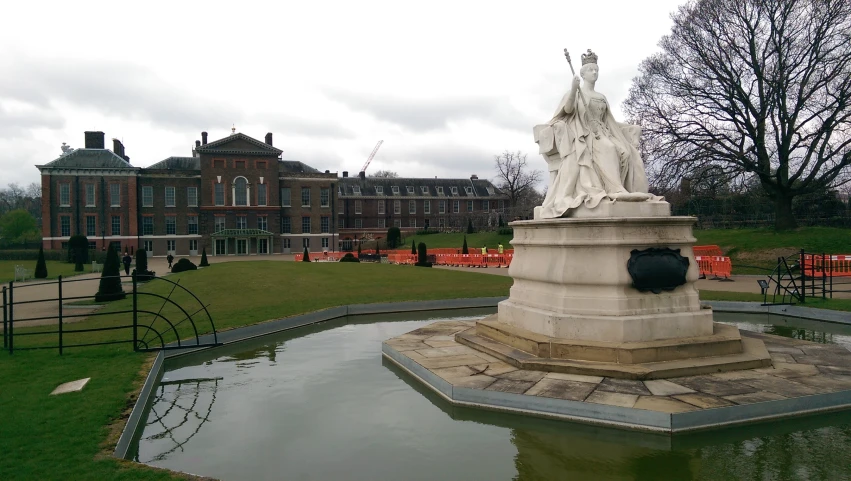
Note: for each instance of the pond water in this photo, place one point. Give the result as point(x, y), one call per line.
point(320, 403)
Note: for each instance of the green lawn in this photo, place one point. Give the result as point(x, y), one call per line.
point(54, 269)
point(456, 240)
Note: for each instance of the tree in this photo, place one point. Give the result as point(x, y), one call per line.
point(204, 262)
point(470, 229)
point(306, 256)
point(18, 226)
point(394, 237)
point(142, 272)
point(422, 256)
point(78, 250)
point(413, 247)
point(759, 88)
point(110, 279)
point(464, 249)
point(515, 179)
point(385, 174)
point(41, 265)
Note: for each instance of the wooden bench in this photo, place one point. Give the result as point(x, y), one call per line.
point(23, 273)
point(97, 267)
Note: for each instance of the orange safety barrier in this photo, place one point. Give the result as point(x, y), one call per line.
point(715, 266)
point(826, 265)
point(704, 263)
point(709, 250)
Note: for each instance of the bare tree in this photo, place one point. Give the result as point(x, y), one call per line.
point(515, 179)
point(386, 174)
point(757, 88)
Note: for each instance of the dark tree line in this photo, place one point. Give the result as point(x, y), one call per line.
point(15, 197)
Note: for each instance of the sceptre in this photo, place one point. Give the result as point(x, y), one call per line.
point(567, 56)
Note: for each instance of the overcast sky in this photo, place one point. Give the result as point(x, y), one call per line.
point(446, 84)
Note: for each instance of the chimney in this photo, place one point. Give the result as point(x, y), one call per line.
point(345, 173)
point(269, 138)
point(474, 177)
point(327, 171)
point(197, 144)
point(116, 147)
point(203, 138)
point(94, 140)
point(362, 175)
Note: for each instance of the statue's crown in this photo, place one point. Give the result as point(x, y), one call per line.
point(589, 57)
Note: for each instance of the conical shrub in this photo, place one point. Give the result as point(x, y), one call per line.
point(204, 262)
point(464, 247)
point(306, 256)
point(110, 280)
point(40, 265)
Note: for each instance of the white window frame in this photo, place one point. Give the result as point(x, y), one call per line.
point(381, 223)
point(146, 221)
point(170, 196)
point(65, 222)
point(395, 189)
point(242, 222)
point(325, 225)
point(262, 194)
point(356, 189)
point(410, 189)
point(65, 195)
point(305, 190)
point(397, 207)
point(324, 197)
point(358, 207)
point(286, 225)
point(424, 189)
point(380, 205)
point(263, 222)
point(246, 197)
point(427, 207)
point(468, 190)
point(147, 196)
point(379, 189)
point(216, 188)
point(412, 207)
point(171, 220)
point(90, 199)
point(439, 190)
point(114, 192)
point(112, 225)
point(94, 227)
point(220, 222)
point(286, 200)
point(456, 206)
point(441, 207)
point(454, 190)
point(358, 223)
point(309, 224)
point(190, 223)
point(412, 222)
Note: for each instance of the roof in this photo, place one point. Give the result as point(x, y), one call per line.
point(89, 159)
point(478, 187)
point(294, 166)
point(242, 233)
point(178, 163)
point(239, 144)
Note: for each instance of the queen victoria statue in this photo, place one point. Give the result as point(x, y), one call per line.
point(591, 157)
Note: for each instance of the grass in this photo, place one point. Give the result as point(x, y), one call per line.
point(72, 436)
point(54, 269)
point(443, 240)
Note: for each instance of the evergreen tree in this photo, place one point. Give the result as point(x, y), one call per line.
point(394, 237)
point(413, 247)
point(110, 280)
point(306, 256)
point(359, 249)
point(40, 265)
point(464, 247)
point(142, 272)
point(204, 262)
point(376, 249)
point(422, 256)
point(470, 226)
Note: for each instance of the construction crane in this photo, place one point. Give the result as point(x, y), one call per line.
point(365, 165)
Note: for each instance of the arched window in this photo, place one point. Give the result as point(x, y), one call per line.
point(240, 191)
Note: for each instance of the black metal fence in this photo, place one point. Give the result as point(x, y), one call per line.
point(806, 275)
point(166, 329)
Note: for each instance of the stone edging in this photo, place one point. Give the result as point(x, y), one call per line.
point(824, 315)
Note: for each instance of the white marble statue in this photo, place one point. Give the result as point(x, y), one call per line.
point(591, 157)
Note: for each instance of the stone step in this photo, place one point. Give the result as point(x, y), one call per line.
point(754, 355)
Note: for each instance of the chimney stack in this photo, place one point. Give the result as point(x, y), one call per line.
point(203, 138)
point(362, 175)
point(327, 171)
point(94, 140)
point(197, 144)
point(269, 138)
point(345, 173)
point(474, 177)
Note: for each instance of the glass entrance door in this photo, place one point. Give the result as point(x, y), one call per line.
point(262, 246)
point(241, 247)
point(221, 247)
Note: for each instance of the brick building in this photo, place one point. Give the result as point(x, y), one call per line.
point(236, 196)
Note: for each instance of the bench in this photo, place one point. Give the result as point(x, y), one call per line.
point(23, 273)
point(97, 267)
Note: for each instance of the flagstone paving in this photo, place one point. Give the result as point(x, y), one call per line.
point(801, 368)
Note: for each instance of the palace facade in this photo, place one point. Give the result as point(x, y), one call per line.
point(236, 196)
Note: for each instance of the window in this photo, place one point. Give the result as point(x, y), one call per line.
point(341, 223)
point(285, 197)
point(456, 206)
point(193, 245)
point(242, 222)
point(192, 196)
point(305, 225)
point(218, 163)
point(65, 226)
point(324, 242)
point(441, 207)
point(240, 191)
point(90, 195)
point(397, 207)
point(427, 207)
point(169, 246)
point(305, 196)
point(490, 190)
point(381, 224)
point(454, 190)
point(469, 206)
point(64, 195)
point(192, 224)
point(220, 224)
point(286, 225)
point(412, 207)
point(325, 197)
point(147, 196)
point(261, 194)
point(324, 225)
point(413, 222)
point(116, 225)
point(260, 164)
point(147, 225)
point(441, 223)
point(171, 225)
point(395, 189)
point(410, 189)
point(424, 190)
point(262, 222)
point(468, 190)
point(169, 196)
point(240, 164)
point(397, 222)
point(358, 207)
point(358, 223)
point(380, 206)
point(379, 190)
point(439, 190)
point(485, 205)
point(356, 189)
point(115, 195)
point(287, 243)
point(219, 194)
point(91, 229)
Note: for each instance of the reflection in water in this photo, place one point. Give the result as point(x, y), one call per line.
point(276, 408)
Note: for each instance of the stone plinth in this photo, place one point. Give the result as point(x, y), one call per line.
point(571, 279)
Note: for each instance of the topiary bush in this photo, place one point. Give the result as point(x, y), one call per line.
point(464, 249)
point(305, 256)
point(349, 257)
point(204, 262)
point(78, 251)
point(413, 247)
point(110, 280)
point(40, 265)
point(142, 272)
point(183, 265)
point(422, 256)
point(394, 237)
point(470, 229)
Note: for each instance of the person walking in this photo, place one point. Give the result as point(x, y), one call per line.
point(500, 249)
point(170, 259)
point(126, 260)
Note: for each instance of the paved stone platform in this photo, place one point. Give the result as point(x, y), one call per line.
point(806, 378)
